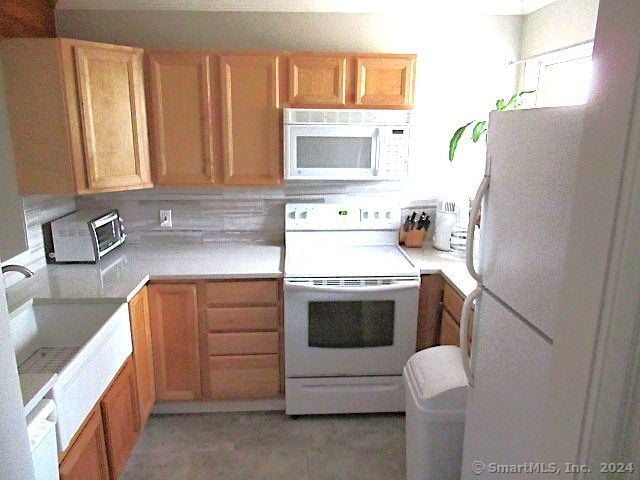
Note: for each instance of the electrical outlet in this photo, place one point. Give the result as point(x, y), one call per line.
point(165, 218)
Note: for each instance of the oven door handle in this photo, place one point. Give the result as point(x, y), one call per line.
point(331, 289)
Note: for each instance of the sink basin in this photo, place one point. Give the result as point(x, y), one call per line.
point(85, 344)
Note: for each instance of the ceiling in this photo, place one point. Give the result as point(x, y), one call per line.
point(477, 7)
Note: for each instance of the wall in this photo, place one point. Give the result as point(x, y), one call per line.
point(560, 24)
point(456, 81)
point(27, 18)
point(13, 238)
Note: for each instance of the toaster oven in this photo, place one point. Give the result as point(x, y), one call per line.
point(85, 237)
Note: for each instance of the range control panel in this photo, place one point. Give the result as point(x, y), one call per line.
point(337, 217)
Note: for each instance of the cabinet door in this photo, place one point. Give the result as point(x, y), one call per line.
point(385, 81)
point(182, 102)
point(120, 413)
point(317, 80)
point(449, 330)
point(429, 310)
point(113, 118)
point(174, 335)
point(251, 139)
point(87, 457)
point(142, 353)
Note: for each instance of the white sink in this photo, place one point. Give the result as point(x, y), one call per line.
point(85, 344)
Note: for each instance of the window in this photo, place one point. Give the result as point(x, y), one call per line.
point(559, 78)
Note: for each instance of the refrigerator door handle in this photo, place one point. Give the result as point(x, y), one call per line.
point(471, 227)
point(464, 328)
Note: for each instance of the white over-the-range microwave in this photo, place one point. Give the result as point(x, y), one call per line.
point(342, 144)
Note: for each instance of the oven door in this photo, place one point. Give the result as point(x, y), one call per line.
point(345, 152)
point(337, 330)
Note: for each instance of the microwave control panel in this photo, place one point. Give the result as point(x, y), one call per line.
point(394, 155)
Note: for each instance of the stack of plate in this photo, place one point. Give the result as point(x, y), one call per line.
point(458, 241)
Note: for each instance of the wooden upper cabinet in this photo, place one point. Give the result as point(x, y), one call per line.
point(77, 111)
point(87, 456)
point(385, 81)
point(183, 88)
point(317, 80)
point(113, 117)
point(175, 339)
point(251, 142)
point(142, 352)
point(121, 418)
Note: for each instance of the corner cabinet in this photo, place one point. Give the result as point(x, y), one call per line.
point(251, 119)
point(77, 112)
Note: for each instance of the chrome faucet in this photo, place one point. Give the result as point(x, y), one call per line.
point(17, 268)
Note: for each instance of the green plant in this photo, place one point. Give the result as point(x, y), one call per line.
point(480, 127)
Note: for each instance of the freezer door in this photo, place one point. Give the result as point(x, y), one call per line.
point(527, 211)
point(505, 421)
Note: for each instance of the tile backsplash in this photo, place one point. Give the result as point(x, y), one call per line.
point(249, 215)
point(233, 214)
point(38, 209)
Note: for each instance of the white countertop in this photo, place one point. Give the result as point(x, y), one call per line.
point(34, 387)
point(122, 273)
point(429, 260)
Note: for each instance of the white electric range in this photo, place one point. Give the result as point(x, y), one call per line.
point(351, 309)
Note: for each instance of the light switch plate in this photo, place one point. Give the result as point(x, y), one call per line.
point(165, 219)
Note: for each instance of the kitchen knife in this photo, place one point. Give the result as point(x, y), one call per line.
point(421, 220)
point(413, 220)
point(407, 223)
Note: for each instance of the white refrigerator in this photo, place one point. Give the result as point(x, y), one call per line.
point(526, 197)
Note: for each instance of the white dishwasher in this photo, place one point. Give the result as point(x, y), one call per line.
point(41, 423)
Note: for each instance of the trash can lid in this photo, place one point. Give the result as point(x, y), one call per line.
point(438, 378)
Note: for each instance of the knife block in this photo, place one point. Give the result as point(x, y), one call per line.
point(412, 238)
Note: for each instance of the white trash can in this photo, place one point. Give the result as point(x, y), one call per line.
point(436, 400)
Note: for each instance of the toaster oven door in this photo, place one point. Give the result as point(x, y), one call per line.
point(108, 233)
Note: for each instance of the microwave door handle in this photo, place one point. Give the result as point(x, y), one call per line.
point(323, 289)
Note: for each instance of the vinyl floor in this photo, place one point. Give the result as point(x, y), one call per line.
point(269, 446)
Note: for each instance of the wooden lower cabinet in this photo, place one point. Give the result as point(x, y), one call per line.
point(429, 311)
point(217, 340)
point(244, 376)
point(451, 313)
point(449, 331)
point(175, 339)
point(242, 337)
point(142, 353)
point(121, 417)
point(86, 458)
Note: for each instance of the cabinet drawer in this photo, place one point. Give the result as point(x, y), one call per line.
point(449, 331)
point(242, 318)
point(236, 377)
point(243, 343)
point(452, 302)
point(258, 292)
